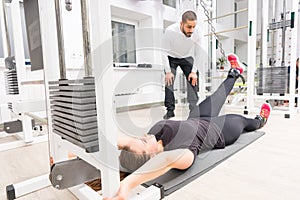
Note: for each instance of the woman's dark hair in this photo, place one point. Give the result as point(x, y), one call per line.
point(189, 15)
point(131, 160)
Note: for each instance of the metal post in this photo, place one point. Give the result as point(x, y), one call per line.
point(103, 71)
point(17, 36)
point(264, 32)
point(293, 52)
point(60, 40)
point(6, 41)
point(86, 38)
point(51, 67)
point(252, 20)
point(212, 47)
point(283, 18)
point(273, 34)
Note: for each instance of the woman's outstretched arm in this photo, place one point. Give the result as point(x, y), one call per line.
point(155, 167)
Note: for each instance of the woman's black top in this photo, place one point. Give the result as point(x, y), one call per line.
point(194, 134)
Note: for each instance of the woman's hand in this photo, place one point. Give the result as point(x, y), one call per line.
point(122, 193)
point(114, 198)
point(153, 168)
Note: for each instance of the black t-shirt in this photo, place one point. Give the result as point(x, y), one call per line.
point(194, 134)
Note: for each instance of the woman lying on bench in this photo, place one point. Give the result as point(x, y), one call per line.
point(175, 144)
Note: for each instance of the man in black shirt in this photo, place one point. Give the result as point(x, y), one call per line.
point(175, 144)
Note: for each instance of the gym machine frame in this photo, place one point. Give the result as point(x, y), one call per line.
point(252, 55)
point(106, 159)
point(22, 110)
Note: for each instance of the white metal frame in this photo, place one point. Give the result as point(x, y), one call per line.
point(252, 16)
point(3, 31)
point(30, 185)
point(20, 107)
point(21, 142)
point(107, 158)
point(50, 57)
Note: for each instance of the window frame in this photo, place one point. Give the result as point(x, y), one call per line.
point(129, 22)
point(175, 6)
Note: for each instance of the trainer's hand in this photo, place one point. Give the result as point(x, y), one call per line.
point(193, 76)
point(169, 78)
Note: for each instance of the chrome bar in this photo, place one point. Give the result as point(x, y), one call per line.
point(228, 30)
point(33, 116)
point(228, 14)
point(283, 33)
point(60, 40)
point(86, 38)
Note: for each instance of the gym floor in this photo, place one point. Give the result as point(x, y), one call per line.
point(266, 169)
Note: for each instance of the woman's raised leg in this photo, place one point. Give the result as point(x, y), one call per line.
point(212, 105)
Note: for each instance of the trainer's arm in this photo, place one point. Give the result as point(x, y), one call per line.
point(156, 166)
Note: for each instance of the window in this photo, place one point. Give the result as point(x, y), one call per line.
point(168, 23)
point(171, 3)
point(123, 35)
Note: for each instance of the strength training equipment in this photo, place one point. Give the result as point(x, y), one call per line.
point(73, 108)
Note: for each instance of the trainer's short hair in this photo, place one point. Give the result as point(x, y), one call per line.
point(131, 161)
point(189, 15)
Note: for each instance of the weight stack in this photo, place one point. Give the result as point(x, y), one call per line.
point(73, 110)
point(272, 80)
point(11, 78)
point(11, 82)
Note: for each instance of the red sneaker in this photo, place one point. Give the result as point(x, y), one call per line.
point(265, 111)
point(234, 62)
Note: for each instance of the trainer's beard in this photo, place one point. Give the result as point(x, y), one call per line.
point(185, 33)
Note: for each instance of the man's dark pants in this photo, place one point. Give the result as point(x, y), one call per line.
point(186, 65)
